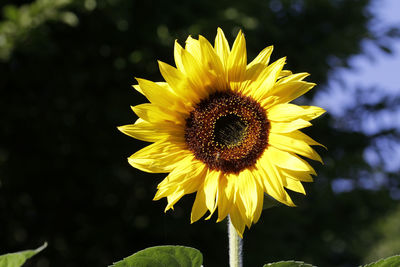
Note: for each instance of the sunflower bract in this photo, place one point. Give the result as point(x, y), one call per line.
point(225, 130)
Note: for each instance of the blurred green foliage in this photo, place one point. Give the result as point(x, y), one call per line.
point(66, 72)
point(20, 22)
point(385, 232)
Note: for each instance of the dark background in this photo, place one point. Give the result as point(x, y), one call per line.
point(66, 69)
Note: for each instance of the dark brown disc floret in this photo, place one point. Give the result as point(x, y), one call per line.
point(227, 131)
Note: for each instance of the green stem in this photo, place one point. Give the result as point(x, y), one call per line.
point(235, 246)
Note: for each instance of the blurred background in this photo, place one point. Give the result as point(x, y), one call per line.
point(66, 70)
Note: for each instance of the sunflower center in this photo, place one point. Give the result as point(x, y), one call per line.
point(227, 131)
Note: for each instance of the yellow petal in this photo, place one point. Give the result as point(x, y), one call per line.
point(272, 180)
point(212, 64)
point(162, 84)
point(172, 76)
point(222, 47)
point(260, 200)
point(257, 66)
point(161, 157)
point(179, 83)
point(262, 59)
point(266, 80)
point(163, 192)
point(178, 50)
point(290, 90)
point(225, 195)
point(264, 176)
point(150, 132)
point(199, 206)
point(248, 192)
point(294, 145)
point(157, 94)
point(302, 136)
point(185, 179)
point(284, 112)
point(296, 175)
point(137, 88)
point(289, 112)
point(199, 81)
point(284, 73)
point(237, 62)
point(288, 160)
point(210, 188)
point(173, 198)
point(287, 127)
point(187, 176)
point(237, 220)
point(152, 113)
point(293, 77)
point(242, 210)
point(193, 47)
point(294, 185)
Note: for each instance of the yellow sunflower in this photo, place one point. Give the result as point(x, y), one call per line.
point(225, 129)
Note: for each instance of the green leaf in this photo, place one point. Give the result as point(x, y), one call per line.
point(393, 261)
point(163, 256)
point(288, 264)
point(18, 258)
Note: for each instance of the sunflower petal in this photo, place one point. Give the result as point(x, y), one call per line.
point(237, 221)
point(257, 66)
point(210, 188)
point(284, 73)
point(188, 175)
point(199, 206)
point(273, 181)
point(195, 74)
point(237, 62)
point(294, 185)
point(266, 80)
point(212, 64)
point(290, 90)
point(242, 209)
point(302, 136)
point(260, 200)
point(185, 179)
point(178, 82)
point(178, 51)
point(287, 127)
point(137, 88)
point(149, 132)
point(288, 160)
point(248, 192)
point(303, 176)
point(222, 47)
point(289, 112)
point(193, 47)
point(173, 198)
point(297, 146)
point(153, 113)
point(172, 76)
point(262, 59)
point(225, 196)
point(157, 94)
point(294, 77)
point(160, 157)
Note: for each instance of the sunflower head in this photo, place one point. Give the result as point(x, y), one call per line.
point(225, 130)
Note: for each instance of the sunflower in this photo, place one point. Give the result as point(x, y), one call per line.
point(225, 130)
